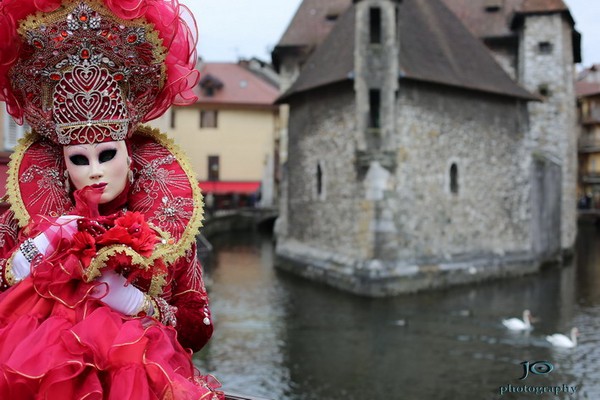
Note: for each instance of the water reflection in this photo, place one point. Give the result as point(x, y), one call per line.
point(283, 337)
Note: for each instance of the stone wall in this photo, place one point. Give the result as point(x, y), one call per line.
point(320, 135)
point(484, 137)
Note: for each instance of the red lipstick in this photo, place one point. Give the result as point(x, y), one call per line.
point(99, 185)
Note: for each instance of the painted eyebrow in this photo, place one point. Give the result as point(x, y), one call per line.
point(77, 149)
point(108, 147)
point(78, 145)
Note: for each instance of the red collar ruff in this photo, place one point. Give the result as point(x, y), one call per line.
point(165, 189)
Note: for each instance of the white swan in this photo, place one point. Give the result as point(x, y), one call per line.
point(560, 340)
point(515, 324)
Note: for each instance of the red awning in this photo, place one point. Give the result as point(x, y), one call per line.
point(222, 187)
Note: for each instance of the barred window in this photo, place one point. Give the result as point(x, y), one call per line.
point(208, 118)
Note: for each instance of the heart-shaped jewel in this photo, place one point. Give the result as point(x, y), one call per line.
point(87, 77)
point(89, 104)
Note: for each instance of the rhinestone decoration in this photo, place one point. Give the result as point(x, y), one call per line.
point(86, 76)
point(88, 106)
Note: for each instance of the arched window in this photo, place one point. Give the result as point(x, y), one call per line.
point(319, 180)
point(374, 109)
point(454, 179)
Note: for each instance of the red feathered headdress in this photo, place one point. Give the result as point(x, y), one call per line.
point(89, 71)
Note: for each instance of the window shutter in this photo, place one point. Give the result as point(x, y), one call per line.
point(12, 132)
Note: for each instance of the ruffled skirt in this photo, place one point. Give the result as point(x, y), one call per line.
point(56, 342)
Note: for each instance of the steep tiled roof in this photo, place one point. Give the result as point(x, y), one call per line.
point(313, 22)
point(485, 21)
point(590, 73)
point(239, 86)
point(435, 47)
point(535, 6)
point(333, 61)
point(481, 22)
point(584, 89)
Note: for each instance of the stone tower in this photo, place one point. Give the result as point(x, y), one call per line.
point(376, 48)
point(546, 67)
point(376, 74)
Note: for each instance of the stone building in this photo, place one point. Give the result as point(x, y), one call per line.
point(430, 143)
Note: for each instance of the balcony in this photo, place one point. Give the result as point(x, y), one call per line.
point(386, 158)
point(237, 396)
point(589, 143)
point(592, 117)
point(590, 177)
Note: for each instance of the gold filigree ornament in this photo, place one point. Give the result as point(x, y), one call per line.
point(87, 76)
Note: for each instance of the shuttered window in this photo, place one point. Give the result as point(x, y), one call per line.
point(12, 131)
point(208, 118)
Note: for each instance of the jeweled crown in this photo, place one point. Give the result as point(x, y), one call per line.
point(84, 75)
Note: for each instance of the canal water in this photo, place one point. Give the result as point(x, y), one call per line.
point(285, 338)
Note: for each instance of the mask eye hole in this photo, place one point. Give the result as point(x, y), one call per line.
point(107, 155)
point(79, 159)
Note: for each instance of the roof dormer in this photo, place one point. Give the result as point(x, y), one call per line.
point(492, 6)
point(210, 84)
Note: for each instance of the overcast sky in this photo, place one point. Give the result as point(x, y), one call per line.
point(232, 29)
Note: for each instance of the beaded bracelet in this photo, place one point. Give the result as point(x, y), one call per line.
point(166, 312)
point(155, 311)
point(145, 308)
point(29, 250)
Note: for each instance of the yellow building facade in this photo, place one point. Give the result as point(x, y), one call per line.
point(243, 140)
point(232, 134)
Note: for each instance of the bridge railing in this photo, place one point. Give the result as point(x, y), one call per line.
point(237, 396)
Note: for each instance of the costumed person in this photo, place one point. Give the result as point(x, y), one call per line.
point(102, 292)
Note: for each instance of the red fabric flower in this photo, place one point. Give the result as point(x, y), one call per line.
point(131, 230)
point(84, 247)
point(119, 262)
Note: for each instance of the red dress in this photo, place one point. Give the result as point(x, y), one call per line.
point(57, 341)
